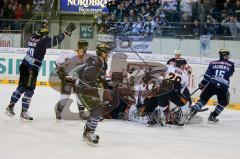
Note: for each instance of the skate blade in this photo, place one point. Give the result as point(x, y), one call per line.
point(89, 142)
point(9, 114)
point(25, 120)
point(212, 122)
point(58, 120)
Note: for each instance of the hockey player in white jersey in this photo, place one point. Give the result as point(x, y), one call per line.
point(162, 115)
point(65, 64)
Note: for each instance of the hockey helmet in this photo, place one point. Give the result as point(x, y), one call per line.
point(42, 31)
point(82, 44)
point(102, 47)
point(223, 53)
point(180, 62)
point(177, 52)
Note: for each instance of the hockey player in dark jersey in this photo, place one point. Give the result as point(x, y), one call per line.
point(30, 66)
point(93, 90)
point(216, 82)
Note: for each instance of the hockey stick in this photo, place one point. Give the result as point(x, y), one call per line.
point(202, 110)
point(130, 46)
point(193, 92)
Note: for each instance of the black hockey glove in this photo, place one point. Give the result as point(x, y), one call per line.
point(70, 80)
point(70, 28)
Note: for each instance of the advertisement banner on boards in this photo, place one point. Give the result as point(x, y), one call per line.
point(139, 44)
point(10, 40)
point(83, 6)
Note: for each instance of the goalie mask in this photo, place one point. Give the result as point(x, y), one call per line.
point(224, 54)
point(102, 48)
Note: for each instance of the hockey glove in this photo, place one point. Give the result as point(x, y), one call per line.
point(70, 28)
point(70, 80)
point(61, 73)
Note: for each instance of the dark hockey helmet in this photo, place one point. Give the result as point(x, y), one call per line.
point(224, 53)
point(102, 47)
point(42, 31)
point(82, 44)
point(180, 62)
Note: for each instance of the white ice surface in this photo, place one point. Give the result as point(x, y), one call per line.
point(45, 138)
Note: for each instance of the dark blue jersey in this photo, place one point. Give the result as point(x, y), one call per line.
point(37, 49)
point(219, 72)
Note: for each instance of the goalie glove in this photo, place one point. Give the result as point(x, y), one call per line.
point(70, 28)
point(70, 80)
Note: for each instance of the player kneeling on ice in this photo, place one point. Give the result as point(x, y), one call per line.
point(30, 67)
point(162, 115)
point(216, 82)
point(65, 64)
point(93, 90)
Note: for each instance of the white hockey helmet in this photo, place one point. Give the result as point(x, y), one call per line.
point(177, 52)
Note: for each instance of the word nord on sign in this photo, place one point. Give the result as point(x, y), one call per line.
point(87, 3)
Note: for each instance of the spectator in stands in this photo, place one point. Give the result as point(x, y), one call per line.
point(127, 7)
point(170, 8)
point(170, 5)
point(112, 7)
point(113, 25)
point(126, 25)
point(27, 13)
point(8, 16)
point(138, 5)
point(186, 6)
point(159, 24)
point(230, 6)
point(211, 27)
point(196, 29)
point(152, 4)
point(18, 17)
point(237, 11)
point(233, 25)
point(149, 26)
point(132, 16)
point(100, 21)
point(144, 14)
point(120, 12)
point(137, 26)
point(186, 27)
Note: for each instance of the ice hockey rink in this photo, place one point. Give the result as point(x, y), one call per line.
point(46, 138)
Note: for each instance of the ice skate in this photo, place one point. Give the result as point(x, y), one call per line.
point(151, 122)
point(58, 115)
point(212, 119)
point(90, 137)
point(10, 110)
point(25, 116)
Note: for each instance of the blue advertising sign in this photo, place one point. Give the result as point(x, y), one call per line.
point(78, 6)
point(139, 44)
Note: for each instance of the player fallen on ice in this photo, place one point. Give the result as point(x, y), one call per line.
point(94, 91)
point(30, 67)
point(65, 64)
point(162, 115)
point(216, 82)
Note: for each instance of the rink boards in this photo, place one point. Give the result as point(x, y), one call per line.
point(10, 60)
